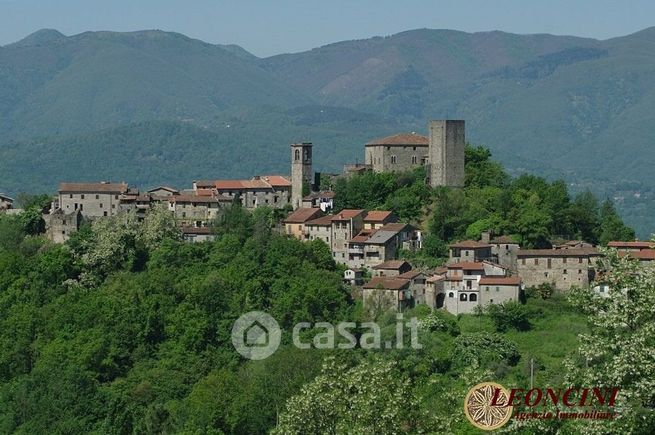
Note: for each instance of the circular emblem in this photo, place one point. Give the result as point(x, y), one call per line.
point(480, 409)
point(256, 335)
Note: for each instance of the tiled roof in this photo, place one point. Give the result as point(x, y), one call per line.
point(303, 215)
point(324, 221)
point(167, 188)
point(191, 198)
point(377, 216)
point(93, 187)
point(572, 252)
point(435, 278)
point(276, 180)
point(410, 274)
point(644, 254)
point(635, 245)
point(381, 237)
point(204, 183)
point(322, 194)
point(470, 244)
point(387, 283)
point(500, 280)
point(391, 265)
point(396, 227)
point(401, 139)
point(346, 215)
point(467, 265)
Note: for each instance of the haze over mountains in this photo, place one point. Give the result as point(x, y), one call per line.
point(154, 107)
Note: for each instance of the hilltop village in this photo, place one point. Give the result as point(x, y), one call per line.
point(492, 270)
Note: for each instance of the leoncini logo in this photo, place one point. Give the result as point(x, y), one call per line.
point(489, 405)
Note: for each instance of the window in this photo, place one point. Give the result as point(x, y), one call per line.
point(466, 253)
point(463, 297)
point(70, 196)
point(523, 261)
point(579, 271)
point(536, 262)
point(564, 272)
point(550, 263)
point(564, 260)
point(450, 295)
point(497, 289)
point(97, 196)
point(393, 159)
point(81, 207)
point(100, 205)
point(104, 213)
point(413, 148)
point(486, 288)
point(469, 284)
point(82, 196)
point(579, 259)
point(414, 160)
point(115, 196)
point(473, 297)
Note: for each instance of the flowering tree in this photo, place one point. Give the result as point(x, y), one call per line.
point(619, 349)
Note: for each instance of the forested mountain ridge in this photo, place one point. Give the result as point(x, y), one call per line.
point(560, 106)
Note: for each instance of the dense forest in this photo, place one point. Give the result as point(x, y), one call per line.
point(126, 329)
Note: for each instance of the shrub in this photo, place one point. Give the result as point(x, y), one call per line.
point(509, 315)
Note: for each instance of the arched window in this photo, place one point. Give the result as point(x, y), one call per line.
point(462, 297)
point(450, 295)
point(297, 155)
point(473, 297)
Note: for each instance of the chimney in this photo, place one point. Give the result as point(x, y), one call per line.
point(485, 236)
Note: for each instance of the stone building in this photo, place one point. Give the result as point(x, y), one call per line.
point(268, 190)
point(320, 229)
point(499, 289)
point(345, 225)
point(376, 219)
point(469, 250)
point(503, 249)
point(301, 172)
point(6, 202)
point(91, 199)
point(373, 246)
point(294, 224)
point(563, 268)
point(631, 246)
point(197, 234)
point(323, 200)
point(443, 151)
point(391, 268)
point(59, 225)
point(383, 294)
point(194, 210)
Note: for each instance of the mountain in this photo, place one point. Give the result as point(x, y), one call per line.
point(51, 84)
point(562, 106)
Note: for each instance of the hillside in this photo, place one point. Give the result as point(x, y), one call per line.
point(560, 106)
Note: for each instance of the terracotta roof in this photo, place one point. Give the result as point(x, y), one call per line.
point(401, 139)
point(453, 278)
point(637, 244)
point(467, 265)
point(324, 221)
point(435, 278)
point(276, 180)
point(391, 265)
point(387, 283)
point(303, 215)
point(377, 216)
point(204, 192)
point(470, 244)
point(572, 252)
point(167, 188)
point(346, 215)
point(500, 280)
point(93, 187)
point(440, 270)
point(396, 227)
point(644, 254)
point(410, 274)
point(190, 198)
point(204, 183)
point(363, 236)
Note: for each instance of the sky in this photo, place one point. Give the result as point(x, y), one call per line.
point(269, 27)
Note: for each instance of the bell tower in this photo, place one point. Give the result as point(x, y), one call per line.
point(301, 171)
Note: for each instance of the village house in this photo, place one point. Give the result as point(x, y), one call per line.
point(434, 291)
point(499, 289)
point(563, 268)
point(372, 246)
point(503, 249)
point(631, 246)
point(323, 200)
point(387, 293)
point(91, 199)
point(294, 224)
point(60, 225)
point(345, 225)
point(197, 234)
point(268, 190)
point(417, 281)
point(391, 268)
point(194, 210)
point(645, 256)
point(376, 219)
point(320, 229)
point(353, 276)
point(469, 250)
point(6, 202)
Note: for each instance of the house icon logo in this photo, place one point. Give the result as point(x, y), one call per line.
point(256, 335)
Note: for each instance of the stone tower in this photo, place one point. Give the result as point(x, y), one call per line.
point(446, 153)
point(301, 171)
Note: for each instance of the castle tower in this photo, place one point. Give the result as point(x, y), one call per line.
point(301, 171)
point(446, 153)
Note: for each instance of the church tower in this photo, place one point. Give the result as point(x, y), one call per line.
point(446, 153)
point(301, 171)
